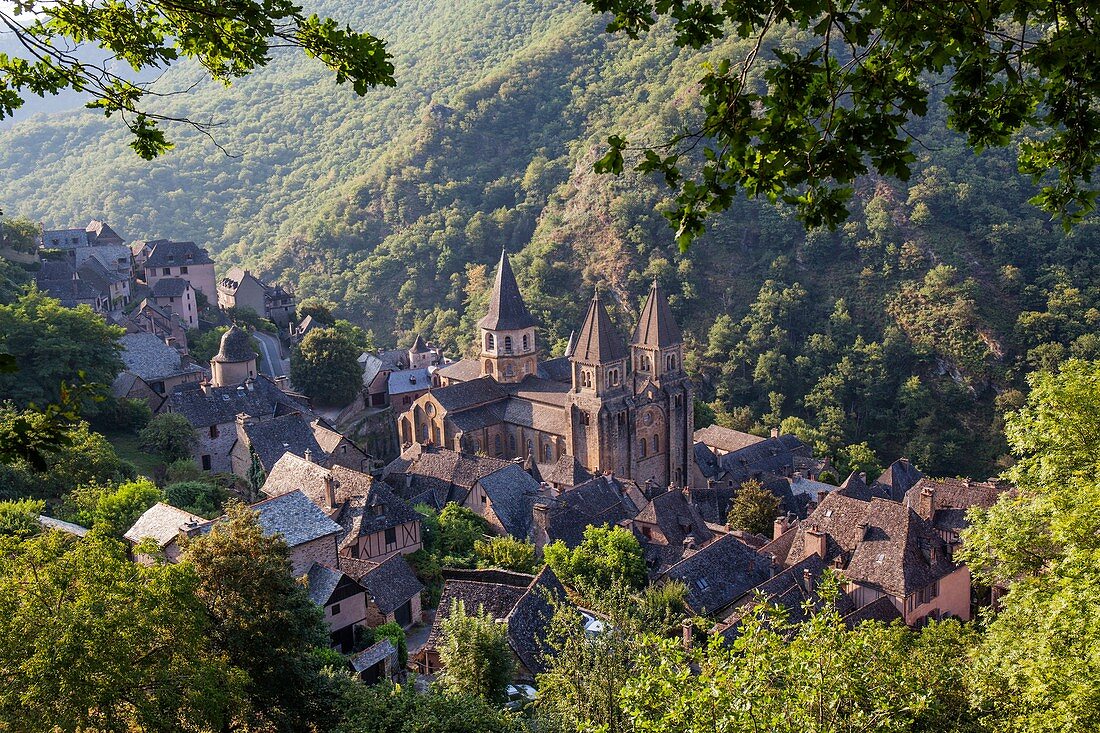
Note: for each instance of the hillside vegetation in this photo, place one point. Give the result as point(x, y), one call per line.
point(908, 330)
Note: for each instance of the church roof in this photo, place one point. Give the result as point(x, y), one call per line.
point(419, 347)
point(599, 342)
point(657, 327)
point(235, 347)
point(507, 311)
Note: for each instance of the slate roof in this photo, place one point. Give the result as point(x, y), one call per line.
point(390, 583)
point(856, 487)
point(598, 502)
point(236, 346)
point(294, 517)
point(62, 526)
point(882, 610)
point(657, 327)
point(273, 437)
point(499, 593)
point(147, 356)
point(769, 456)
point(101, 233)
point(408, 380)
point(232, 280)
point(259, 397)
point(170, 287)
point(372, 655)
point(462, 370)
point(507, 311)
point(419, 347)
point(438, 470)
point(56, 280)
point(725, 439)
point(558, 369)
point(530, 618)
point(512, 493)
point(898, 478)
point(464, 395)
point(161, 523)
point(544, 418)
point(166, 253)
point(677, 520)
point(719, 573)
point(321, 582)
point(952, 497)
point(566, 471)
point(99, 277)
point(599, 341)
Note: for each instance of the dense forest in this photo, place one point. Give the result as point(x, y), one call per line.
point(908, 330)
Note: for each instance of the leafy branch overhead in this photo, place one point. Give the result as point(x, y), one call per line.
point(228, 39)
point(800, 121)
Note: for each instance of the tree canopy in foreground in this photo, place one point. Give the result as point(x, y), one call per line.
point(809, 95)
point(227, 40)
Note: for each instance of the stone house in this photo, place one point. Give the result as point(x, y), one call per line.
point(164, 524)
point(269, 438)
point(342, 600)
point(309, 533)
point(162, 258)
point(601, 502)
point(239, 288)
point(176, 295)
point(718, 574)
point(392, 590)
point(944, 503)
point(153, 369)
point(505, 499)
point(669, 527)
point(376, 663)
point(61, 280)
point(162, 323)
point(436, 476)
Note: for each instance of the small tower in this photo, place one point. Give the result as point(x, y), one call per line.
point(598, 396)
point(507, 331)
point(235, 361)
point(420, 356)
point(658, 346)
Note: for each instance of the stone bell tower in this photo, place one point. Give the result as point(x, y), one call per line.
point(507, 331)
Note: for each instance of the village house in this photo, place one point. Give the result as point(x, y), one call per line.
point(61, 280)
point(944, 503)
point(669, 527)
point(164, 524)
point(611, 408)
point(522, 601)
point(436, 476)
point(343, 603)
point(113, 285)
point(239, 288)
point(604, 501)
point(397, 376)
point(148, 317)
point(162, 258)
point(880, 548)
point(153, 369)
point(97, 241)
point(309, 532)
point(392, 590)
point(268, 438)
point(377, 662)
point(506, 500)
point(376, 523)
point(176, 295)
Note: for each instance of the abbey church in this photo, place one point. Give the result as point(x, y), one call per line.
point(603, 406)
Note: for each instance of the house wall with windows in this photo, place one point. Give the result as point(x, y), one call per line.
point(403, 539)
point(201, 277)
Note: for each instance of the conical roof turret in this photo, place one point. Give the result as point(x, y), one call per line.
point(235, 347)
point(598, 341)
point(507, 311)
point(418, 346)
point(657, 328)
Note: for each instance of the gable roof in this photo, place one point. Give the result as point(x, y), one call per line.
point(391, 583)
point(725, 439)
point(232, 280)
point(162, 523)
point(599, 341)
point(898, 478)
point(599, 502)
point(321, 582)
point(408, 380)
point(294, 517)
point(507, 311)
point(166, 253)
point(274, 437)
point(101, 233)
point(147, 356)
point(259, 397)
point(512, 493)
point(372, 655)
point(657, 328)
point(719, 573)
point(463, 370)
point(170, 287)
point(438, 470)
point(530, 618)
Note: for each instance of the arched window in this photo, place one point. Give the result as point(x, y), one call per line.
point(530, 447)
point(656, 445)
point(672, 362)
point(512, 443)
point(496, 445)
point(547, 453)
point(526, 367)
point(608, 380)
point(641, 447)
point(477, 446)
point(490, 342)
point(526, 342)
point(507, 344)
point(509, 370)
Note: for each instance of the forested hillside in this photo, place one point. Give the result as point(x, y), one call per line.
point(909, 330)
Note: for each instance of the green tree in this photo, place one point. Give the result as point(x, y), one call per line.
point(325, 367)
point(388, 708)
point(505, 552)
point(91, 641)
point(226, 42)
point(263, 622)
point(198, 497)
point(860, 459)
point(54, 346)
point(170, 436)
point(607, 556)
point(771, 125)
point(256, 474)
point(19, 234)
point(1036, 668)
point(112, 509)
point(19, 518)
point(754, 509)
point(475, 654)
point(320, 310)
point(459, 529)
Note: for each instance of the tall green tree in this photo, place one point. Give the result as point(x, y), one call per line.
point(388, 708)
point(169, 436)
point(754, 509)
point(607, 556)
point(475, 654)
point(325, 367)
point(113, 509)
point(54, 346)
point(1037, 667)
point(801, 122)
point(91, 641)
point(226, 42)
point(263, 622)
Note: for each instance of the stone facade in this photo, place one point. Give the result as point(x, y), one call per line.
point(321, 550)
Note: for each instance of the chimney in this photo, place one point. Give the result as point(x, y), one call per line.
point(808, 580)
point(927, 503)
point(688, 633)
point(779, 526)
point(815, 541)
point(330, 492)
point(308, 455)
point(863, 476)
point(775, 433)
point(206, 387)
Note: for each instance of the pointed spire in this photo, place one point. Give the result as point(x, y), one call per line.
point(418, 347)
point(507, 311)
point(571, 347)
point(598, 341)
point(657, 327)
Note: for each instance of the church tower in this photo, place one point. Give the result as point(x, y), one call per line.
point(507, 331)
point(662, 418)
point(598, 363)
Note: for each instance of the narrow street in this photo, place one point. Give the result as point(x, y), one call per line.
point(273, 365)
